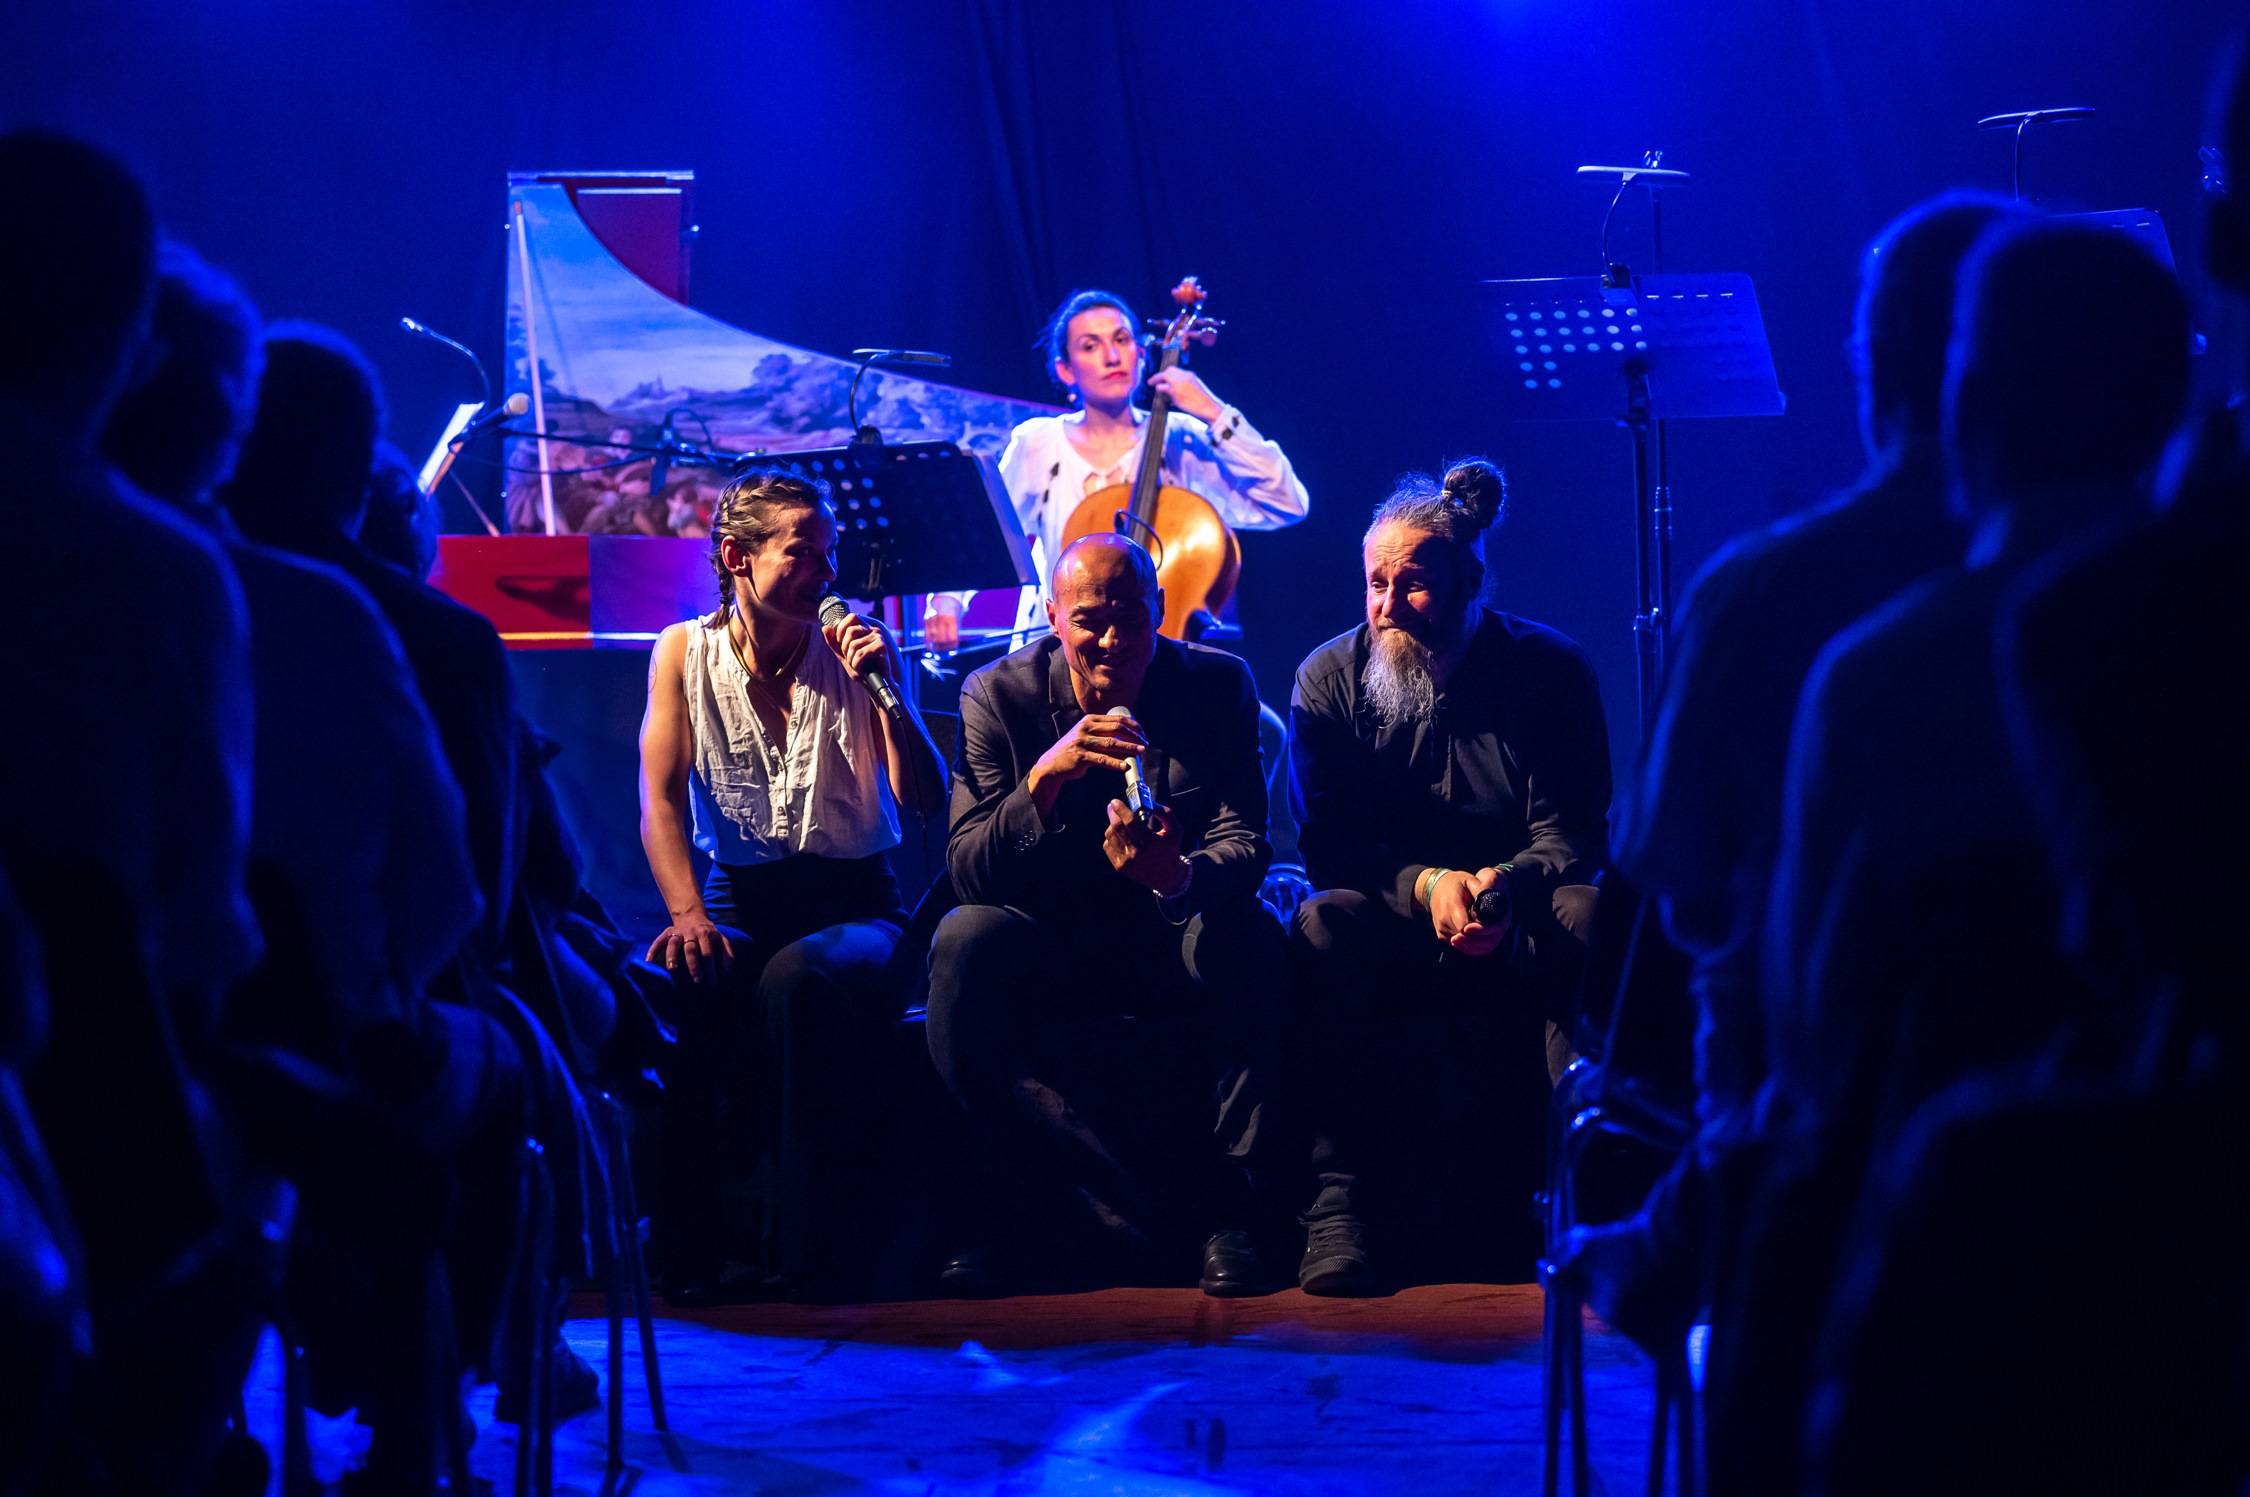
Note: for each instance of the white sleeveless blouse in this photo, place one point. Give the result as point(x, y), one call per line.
point(824, 791)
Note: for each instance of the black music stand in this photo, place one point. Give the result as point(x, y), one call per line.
point(1657, 348)
point(916, 517)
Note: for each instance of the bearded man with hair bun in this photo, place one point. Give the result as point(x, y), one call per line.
point(1441, 750)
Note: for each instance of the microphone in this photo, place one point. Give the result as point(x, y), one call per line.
point(1626, 176)
point(2022, 117)
point(499, 415)
point(901, 356)
point(834, 610)
point(1495, 906)
point(424, 330)
point(1138, 795)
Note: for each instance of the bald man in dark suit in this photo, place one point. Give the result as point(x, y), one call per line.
point(1079, 914)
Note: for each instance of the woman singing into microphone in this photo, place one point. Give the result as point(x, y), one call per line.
point(1093, 350)
point(761, 748)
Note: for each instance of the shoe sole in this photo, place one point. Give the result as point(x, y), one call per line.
point(1231, 1289)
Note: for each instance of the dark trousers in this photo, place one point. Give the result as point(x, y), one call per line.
point(1421, 1074)
point(365, 1294)
point(797, 1037)
point(1115, 1080)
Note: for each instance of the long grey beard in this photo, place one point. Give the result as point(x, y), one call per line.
point(1399, 685)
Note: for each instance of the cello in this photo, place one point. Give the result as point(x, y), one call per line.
point(1197, 556)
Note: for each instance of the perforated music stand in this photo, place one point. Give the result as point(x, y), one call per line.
point(1659, 348)
point(1571, 347)
point(916, 517)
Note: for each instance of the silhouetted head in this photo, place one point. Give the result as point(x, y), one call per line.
point(2068, 367)
point(176, 433)
point(773, 543)
point(401, 524)
point(1105, 604)
point(304, 468)
point(1423, 559)
point(1093, 347)
point(1905, 317)
point(77, 271)
point(2226, 176)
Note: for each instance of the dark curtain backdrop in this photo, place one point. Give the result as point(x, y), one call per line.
point(938, 173)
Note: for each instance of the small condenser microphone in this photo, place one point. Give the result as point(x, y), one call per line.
point(1138, 795)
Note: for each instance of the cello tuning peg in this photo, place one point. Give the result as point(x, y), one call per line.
point(1205, 336)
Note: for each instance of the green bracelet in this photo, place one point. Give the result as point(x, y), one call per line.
point(1429, 887)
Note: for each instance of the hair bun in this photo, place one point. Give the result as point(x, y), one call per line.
point(1478, 487)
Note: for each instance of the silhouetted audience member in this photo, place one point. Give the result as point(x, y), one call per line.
point(1913, 932)
point(76, 282)
point(1439, 751)
point(354, 816)
point(358, 860)
point(1701, 829)
point(2129, 709)
point(123, 813)
point(301, 484)
point(2133, 718)
point(401, 525)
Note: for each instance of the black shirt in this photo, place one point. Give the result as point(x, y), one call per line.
point(1511, 767)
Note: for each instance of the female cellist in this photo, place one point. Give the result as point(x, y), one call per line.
point(1052, 463)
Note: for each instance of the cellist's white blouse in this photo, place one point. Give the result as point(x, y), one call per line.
point(1244, 474)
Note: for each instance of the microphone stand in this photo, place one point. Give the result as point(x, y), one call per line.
point(870, 435)
point(1652, 501)
point(671, 450)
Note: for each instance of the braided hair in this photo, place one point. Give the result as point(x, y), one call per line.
point(751, 511)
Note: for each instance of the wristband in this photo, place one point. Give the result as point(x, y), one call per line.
point(1428, 890)
point(1185, 885)
point(1173, 907)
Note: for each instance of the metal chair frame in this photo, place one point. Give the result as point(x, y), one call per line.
point(1589, 1105)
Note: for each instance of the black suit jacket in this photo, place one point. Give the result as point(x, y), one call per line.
point(1199, 711)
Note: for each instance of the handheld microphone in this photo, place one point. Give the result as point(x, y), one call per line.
point(834, 610)
point(1496, 906)
point(1138, 795)
point(499, 415)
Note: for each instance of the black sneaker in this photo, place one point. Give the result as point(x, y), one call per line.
point(1232, 1268)
point(970, 1275)
point(1336, 1261)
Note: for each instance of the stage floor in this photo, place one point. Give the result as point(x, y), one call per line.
point(1132, 1392)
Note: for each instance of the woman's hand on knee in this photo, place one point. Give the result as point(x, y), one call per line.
point(694, 943)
